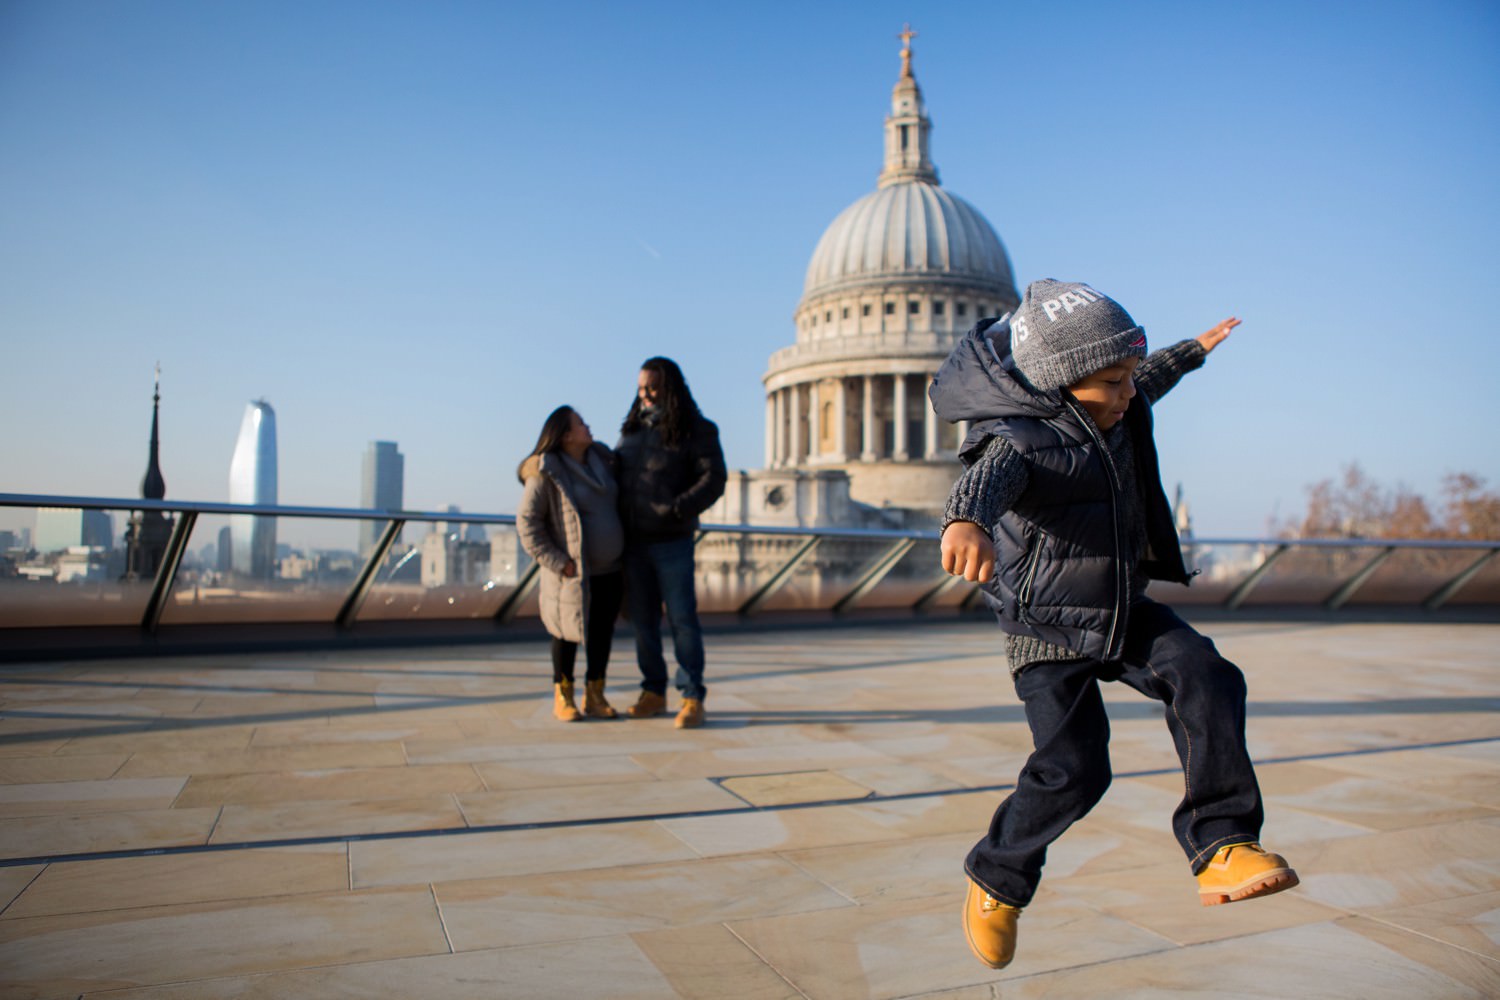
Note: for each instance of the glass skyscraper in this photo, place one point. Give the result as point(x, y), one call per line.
point(381, 487)
point(252, 480)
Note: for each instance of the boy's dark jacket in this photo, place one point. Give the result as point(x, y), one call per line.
point(1060, 553)
point(663, 488)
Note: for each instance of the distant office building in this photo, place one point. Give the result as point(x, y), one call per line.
point(81, 563)
point(464, 531)
point(381, 487)
point(252, 480)
point(61, 528)
point(149, 530)
point(224, 551)
point(508, 560)
point(449, 558)
point(455, 552)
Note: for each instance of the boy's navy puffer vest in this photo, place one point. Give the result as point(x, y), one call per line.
point(1061, 574)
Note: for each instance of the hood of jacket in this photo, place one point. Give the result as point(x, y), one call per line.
point(550, 464)
point(531, 467)
point(979, 380)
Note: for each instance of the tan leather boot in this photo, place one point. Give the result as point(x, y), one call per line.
point(1243, 871)
point(990, 927)
point(691, 715)
point(563, 708)
point(594, 704)
point(648, 704)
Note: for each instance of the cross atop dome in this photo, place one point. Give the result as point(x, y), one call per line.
point(906, 36)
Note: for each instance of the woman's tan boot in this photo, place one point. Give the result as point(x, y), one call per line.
point(594, 704)
point(563, 708)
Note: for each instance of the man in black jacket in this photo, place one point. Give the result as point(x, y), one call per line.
point(671, 470)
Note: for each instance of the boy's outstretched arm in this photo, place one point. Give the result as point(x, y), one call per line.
point(1213, 338)
point(1163, 369)
point(987, 489)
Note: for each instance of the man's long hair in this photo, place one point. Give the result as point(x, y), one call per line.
point(675, 402)
point(554, 429)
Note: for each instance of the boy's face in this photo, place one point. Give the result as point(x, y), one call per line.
point(1106, 394)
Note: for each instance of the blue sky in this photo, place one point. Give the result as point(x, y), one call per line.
point(433, 222)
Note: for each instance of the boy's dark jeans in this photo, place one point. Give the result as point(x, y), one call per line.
point(1067, 773)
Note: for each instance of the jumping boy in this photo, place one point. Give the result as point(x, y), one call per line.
point(1060, 513)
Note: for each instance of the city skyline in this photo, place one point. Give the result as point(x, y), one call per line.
point(436, 224)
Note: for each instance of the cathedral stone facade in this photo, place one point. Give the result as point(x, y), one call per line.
point(894, 282)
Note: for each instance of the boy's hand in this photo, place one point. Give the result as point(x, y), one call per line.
point(968, 552)
point(1215, 337)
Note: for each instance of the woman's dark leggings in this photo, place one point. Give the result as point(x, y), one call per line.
point(605, 594)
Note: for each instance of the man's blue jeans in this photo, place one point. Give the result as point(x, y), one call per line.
point(1069, 770)
point(658, 573)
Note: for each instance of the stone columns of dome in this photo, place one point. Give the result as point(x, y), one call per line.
point(783, 428)
point(963, 432)
point(771, 425)
point(841, 421)
point(794, 423)
point(778, 430)
point(898, 414)
point(814, 422)
point(867, 422)
point(929, 422)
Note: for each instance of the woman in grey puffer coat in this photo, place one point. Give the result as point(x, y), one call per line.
point(568, 522)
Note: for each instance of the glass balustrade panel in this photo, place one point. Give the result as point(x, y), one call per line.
point(69, 566)
point(1302, 576)
point(448, 571)
point(733, 567)
point(916, 574)
point(1409, 576)
point(254, 568)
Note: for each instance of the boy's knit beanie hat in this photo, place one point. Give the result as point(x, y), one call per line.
point(1063, 331)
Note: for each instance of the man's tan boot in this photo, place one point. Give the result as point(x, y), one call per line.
point(990, 927)
point(1243, 871)
point(594, 705)
point(563, 708)
point(648, 704)
point(691, 715)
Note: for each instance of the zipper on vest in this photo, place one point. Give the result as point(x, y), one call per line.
point(1028, 579)
point(1110, 640)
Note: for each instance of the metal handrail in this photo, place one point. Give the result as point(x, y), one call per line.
point(898, 543)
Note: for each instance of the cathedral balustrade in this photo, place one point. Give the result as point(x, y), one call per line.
point(449, 576)
point(862, 347)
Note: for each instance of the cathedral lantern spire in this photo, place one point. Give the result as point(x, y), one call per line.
point(907, 127)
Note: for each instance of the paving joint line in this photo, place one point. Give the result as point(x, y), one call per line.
point(597, 821)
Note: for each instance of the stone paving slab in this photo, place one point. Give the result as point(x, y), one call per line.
point(404, 823)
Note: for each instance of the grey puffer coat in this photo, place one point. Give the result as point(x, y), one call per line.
point(551, 531)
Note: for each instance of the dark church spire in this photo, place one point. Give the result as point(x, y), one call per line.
point(149, 531)
point(153, 486)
